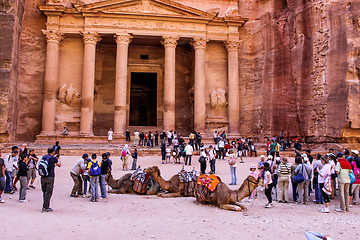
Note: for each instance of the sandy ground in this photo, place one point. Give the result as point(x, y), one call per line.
point(151, 217)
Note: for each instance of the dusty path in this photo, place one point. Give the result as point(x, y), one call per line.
point(150, 217)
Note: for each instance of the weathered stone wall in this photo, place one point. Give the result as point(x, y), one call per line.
point(11, 19)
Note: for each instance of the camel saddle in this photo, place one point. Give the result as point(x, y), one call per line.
point(140, 181)
point(189, 179)
point(205, 186)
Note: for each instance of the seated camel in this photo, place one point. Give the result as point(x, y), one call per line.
point(174, 186)
point(125, 185)
point(229, 199)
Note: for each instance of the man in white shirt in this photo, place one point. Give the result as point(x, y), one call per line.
point(188, 150)
point(212, 156)
point(221, 145)
point(10, 166)
point(110, 135)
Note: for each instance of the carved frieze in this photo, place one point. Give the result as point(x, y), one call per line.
point(232, 45)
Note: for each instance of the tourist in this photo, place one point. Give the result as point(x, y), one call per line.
point(261, 164)
point(127, 135)
point(272, 149)
point(146, 139)
point(343, 168)
point(169, 137)
point(141, 137)
point(215, 136)
point(163, 152)
point(94, 170)
point(191, 139)
point(277, 149)
point(86, 178)
point(303, 187)
point(284, 172)
point(23, 149)
point(217, 151)
point(10, 166)
point(2, 177)
point(136, 138)
point(202, 160)
point(297, 147)
point(316, 168)
point(124, 156)
point(325, 177)
point(268, 184)
point(188, 150)
point(356, 184)
point(110, 136)
point(47, 183)
point(221, 145)
point(14, 172)
point(75, 174)
point(134, 157)
point(298, 161)
point(355, 155)
point(332, 162)
point(252, 149)
point(212, 159)
point(310, 235)
point(57, 147)
point(275, 170)
point(65, 131)
point(268, 147)
point(31, 174)
point(253, 171)
point(232, 163)
point(22, 176)
point(168, 154)
point(105, 168)
point(156, 136)
point(198, 139)
point(151, 139)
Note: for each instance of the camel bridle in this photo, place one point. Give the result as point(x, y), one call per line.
point(251, 181)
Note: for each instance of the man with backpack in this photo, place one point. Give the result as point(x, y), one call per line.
point(47, 172)
point(94, 170)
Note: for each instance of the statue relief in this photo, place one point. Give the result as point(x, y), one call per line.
point(68, 95)
point(218, 99)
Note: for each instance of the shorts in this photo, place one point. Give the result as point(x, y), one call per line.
point(31, 173)
point(14, 173)
point(2, 184)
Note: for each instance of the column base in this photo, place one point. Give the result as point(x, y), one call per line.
point(86, 134)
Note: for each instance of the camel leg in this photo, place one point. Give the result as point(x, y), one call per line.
point(169, 195)
point(230, 207)
point(116, 191)
point(241, 205)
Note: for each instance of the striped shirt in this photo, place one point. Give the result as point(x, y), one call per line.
point(284, 170)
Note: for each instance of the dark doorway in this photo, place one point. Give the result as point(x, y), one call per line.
point(143, 99)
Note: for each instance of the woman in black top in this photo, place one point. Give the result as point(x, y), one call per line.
point(22, 176)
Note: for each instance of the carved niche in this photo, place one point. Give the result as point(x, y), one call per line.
point(218, 99)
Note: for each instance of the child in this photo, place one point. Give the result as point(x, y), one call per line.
point(134, 156)
point(252, 171)
point(22, 176)
point(168, 154)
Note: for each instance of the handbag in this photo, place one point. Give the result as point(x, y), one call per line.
point(299, 178)
point(327, 185)
point(352, 177)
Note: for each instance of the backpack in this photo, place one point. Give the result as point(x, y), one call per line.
point(123, 153)
point(95, 169)
point(356, 171)
point(299, 177)
point(43, 166)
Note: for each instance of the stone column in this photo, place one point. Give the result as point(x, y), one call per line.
point(53, 39)
point(169, 82)
point(122, 41)
point(199, 45)
point(87, 89)
point(233, 87)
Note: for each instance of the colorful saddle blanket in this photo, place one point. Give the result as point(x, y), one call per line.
point(186, 176)
point(209, 181)
point(140, 181)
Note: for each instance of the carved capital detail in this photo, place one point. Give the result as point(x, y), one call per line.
point(169, 41)
point(90, 38)
point(53, 36)
point(199, 43)
point(232, 45)
point(124, 39)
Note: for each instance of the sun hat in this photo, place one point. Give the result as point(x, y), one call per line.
point(355, 152)
point(253, 166)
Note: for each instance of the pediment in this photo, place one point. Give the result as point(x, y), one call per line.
point(148, 7)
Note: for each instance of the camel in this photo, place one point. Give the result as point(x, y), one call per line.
point(173, 186)
point(125, 185)
point(229, 199)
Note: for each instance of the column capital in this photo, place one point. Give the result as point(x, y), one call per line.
point(199, 43)
point(123, 38)
point(169, 41)
point(53, 36)
point(232, 45)
point(90, 38)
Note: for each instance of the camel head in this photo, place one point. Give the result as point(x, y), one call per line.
point(251, 183)
point(154, 171)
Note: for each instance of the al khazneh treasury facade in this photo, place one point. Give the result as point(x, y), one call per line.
point(250, 68)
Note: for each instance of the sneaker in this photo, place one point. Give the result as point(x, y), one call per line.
point(268, 205)
point(23, 201)
point(12, 192)
point(2, 201)
point(339, 210)
point(73, 195)
point(325, 210)
point(31, 186)
point(49, 209)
